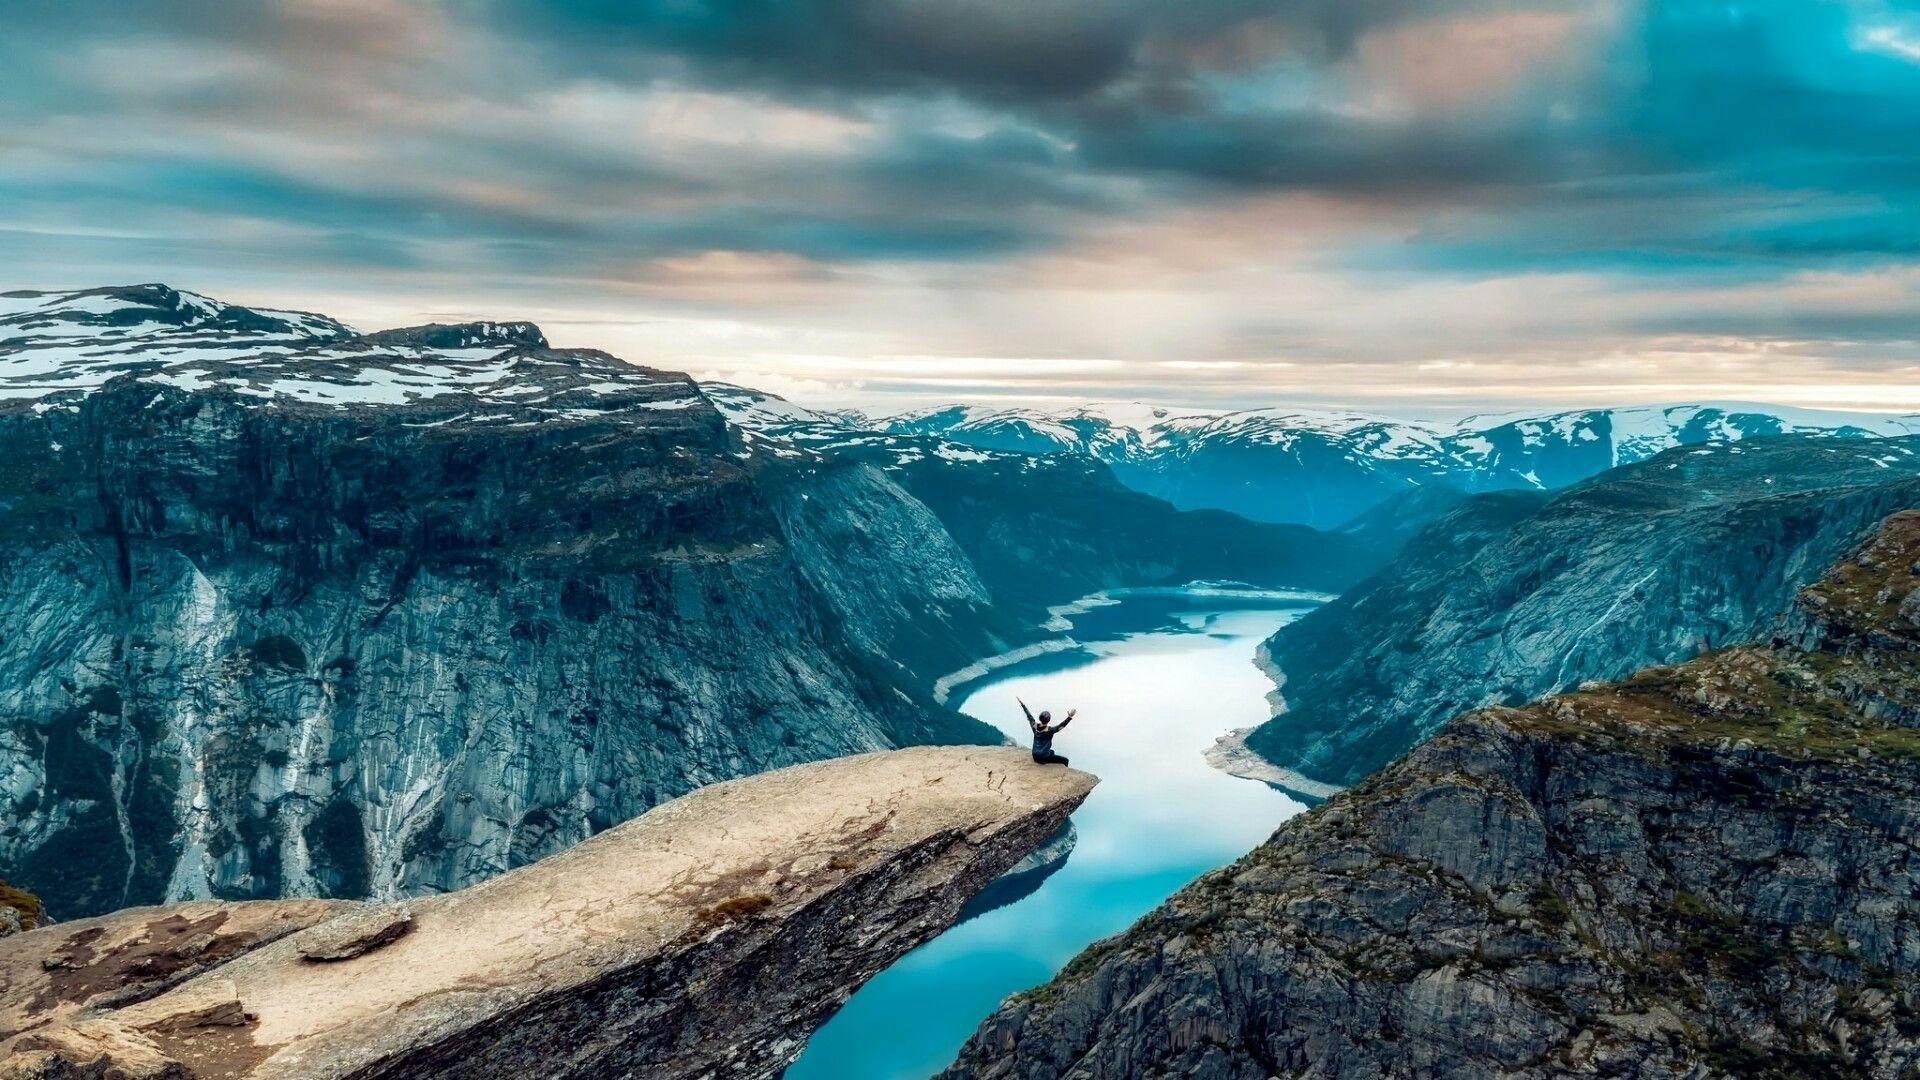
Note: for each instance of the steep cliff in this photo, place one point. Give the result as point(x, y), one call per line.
point(1042, 529)
point(1700, 871)
point(1517, 594)
point(706, 938)
point(290, 612)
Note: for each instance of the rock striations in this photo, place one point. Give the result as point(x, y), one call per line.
point(1513, 595)
point(1702, 870)
point(286, 611)
point(705, 938)
point(291, 610)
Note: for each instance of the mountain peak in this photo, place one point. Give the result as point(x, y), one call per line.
point(466, 335)
point(76, 342)
point(122, 311)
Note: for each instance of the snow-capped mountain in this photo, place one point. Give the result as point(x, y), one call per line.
point(1562, 448)
point(1318, 468)
point(55, 347)
point(785, 429)
point(291, 609)
point(1326, 468)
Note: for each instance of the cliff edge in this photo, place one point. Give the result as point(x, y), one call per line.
point(1702, 870)
point(1515, 595)
point(706, 937)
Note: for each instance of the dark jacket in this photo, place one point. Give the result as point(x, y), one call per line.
point(1043, 737)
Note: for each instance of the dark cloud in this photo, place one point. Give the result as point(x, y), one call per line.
point(1688, 144)
point(1001, 49)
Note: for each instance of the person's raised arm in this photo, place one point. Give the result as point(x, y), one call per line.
point(1031, 722)
point(1068, 720)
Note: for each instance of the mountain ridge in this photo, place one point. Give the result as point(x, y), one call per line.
point(1510, 595)
point(291, 610)
point(1328, 468)
point(1700, 870)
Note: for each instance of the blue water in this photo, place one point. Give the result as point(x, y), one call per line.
point(1162, 675)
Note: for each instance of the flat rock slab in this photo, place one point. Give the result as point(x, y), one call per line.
point(708, 936)
point(356, 933)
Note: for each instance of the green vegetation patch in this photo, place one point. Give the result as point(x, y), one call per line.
point(1793, 703)
point(24, 904)
point(739, 908)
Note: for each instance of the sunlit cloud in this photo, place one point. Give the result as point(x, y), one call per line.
point(1393, 205)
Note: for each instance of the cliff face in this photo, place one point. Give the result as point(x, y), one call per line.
point(324, 615)
point(1041, 529)
point(1518, 594)
point(291, 610)
point(1703, 870)
point(706, 938)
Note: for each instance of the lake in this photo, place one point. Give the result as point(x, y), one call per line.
point(1159, 675)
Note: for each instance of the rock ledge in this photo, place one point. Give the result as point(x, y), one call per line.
point(706, 937)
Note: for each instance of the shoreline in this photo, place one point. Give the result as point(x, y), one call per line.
point(945, 685)
point(1230, 755)
point(1276, 701)
point(1060, 621)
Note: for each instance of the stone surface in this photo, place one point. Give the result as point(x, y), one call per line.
point(706, 937)
point(19, 910)
point(356, 933)
point(1518, 594)
point(290, 610)
point(1701, 871)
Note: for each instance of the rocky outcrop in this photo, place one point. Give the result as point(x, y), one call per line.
point(290, 610)
point(294, 613)
point(1516, 594)
point(705, 938)
point(19, 910)
point(1704, 870)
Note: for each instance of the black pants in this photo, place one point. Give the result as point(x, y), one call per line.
point(1047, 757)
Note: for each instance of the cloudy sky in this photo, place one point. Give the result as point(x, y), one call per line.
point(1400, 205)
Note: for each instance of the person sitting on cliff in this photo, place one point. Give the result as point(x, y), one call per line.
point(1044, 730)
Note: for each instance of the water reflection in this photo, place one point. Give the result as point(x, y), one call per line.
point(1160, 675)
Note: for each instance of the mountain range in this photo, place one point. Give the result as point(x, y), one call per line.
point(1326, 469)
point(1512, 595)
point(287, 609)
point(1702, 870)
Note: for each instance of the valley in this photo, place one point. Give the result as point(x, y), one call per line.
point(363, 623)
point(294, 611)
point(1697, 870)
point(1156, 676)
point(529, 531)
